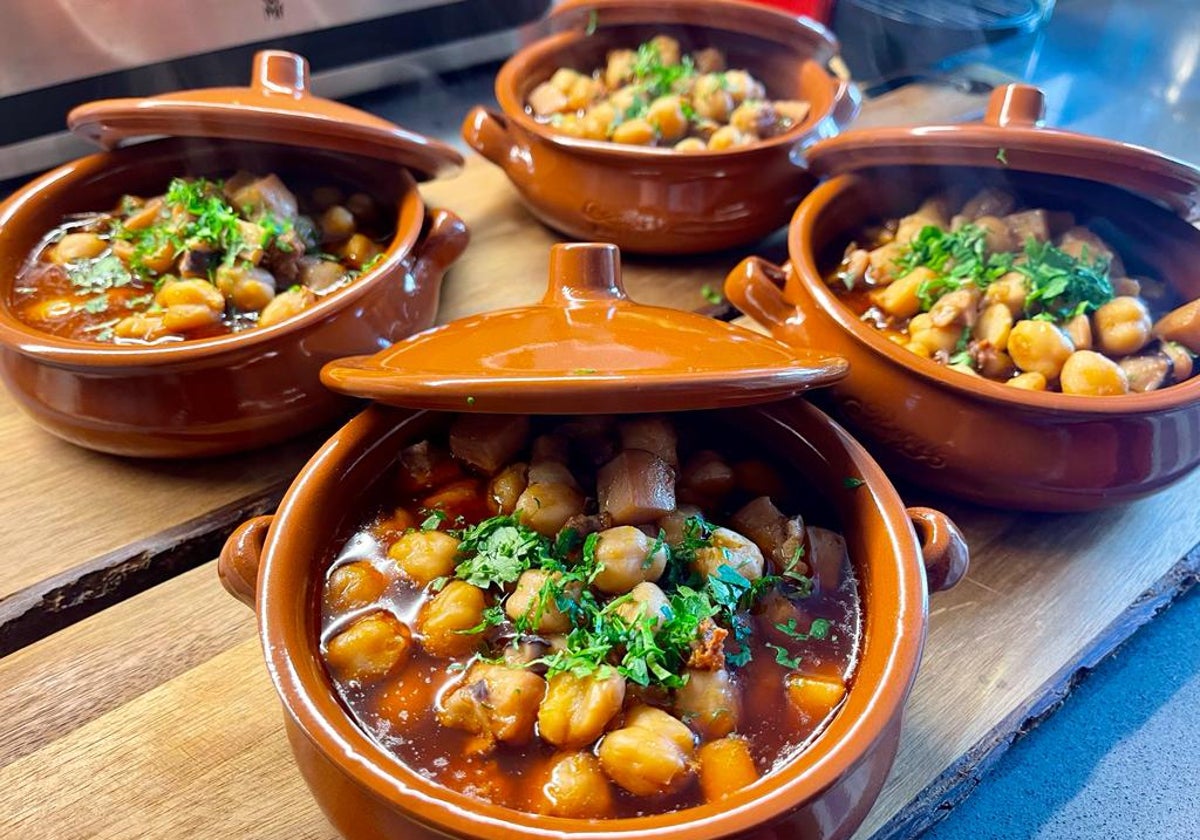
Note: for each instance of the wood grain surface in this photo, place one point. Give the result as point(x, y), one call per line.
point(172, 728)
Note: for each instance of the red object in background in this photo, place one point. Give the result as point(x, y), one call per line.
point(819, 10)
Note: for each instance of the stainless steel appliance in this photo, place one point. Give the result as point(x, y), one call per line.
point(56, 54)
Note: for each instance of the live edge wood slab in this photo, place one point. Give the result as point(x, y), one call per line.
point(149, 712)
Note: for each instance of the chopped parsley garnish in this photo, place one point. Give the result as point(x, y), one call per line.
point(96, 305)
point(783, 657)
point(434, 520)
point(98, 275)
point(497, 550)
point(1002, 155)
point(655, 77)
point(819, 629)
point(851, 482)
point(1063, 286)
point(1060, 286)
point(711, 295)
point(592, 22)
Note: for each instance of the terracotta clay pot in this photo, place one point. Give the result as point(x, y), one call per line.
point(232, 392)
point(655, 200)
point(969, 436)
point(278, 564)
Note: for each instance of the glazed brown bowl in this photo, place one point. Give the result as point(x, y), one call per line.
point(278, 565)
point(654, 200)
point(969, 436)
point(232, 392)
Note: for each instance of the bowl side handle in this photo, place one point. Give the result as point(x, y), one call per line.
point(238, 563)
point(755, 287)
point(487, 132)
point(442, 244)
point(943, 547)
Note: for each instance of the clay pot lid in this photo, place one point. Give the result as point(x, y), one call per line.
point(586, 348)
point(277, 107)
point(1012, 136)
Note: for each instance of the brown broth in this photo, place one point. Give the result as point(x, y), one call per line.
point(399, 711)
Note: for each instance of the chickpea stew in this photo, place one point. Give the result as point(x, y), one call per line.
point(658, 96)
point(589, 618)
point(1022, 296)
point(206, 258)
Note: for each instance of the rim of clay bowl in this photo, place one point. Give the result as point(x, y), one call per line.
point(801, 234)
point(30, 341)
point(894, 621)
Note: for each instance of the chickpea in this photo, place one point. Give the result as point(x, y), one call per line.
point(441, 622)
point(1010, 289)
point(185, 317)
point(190, 292)
point(729, 548)
point(667, 49)
point(648, 758)
point(899, 298)
point(709, 702)
point(666, 115)
point(576, 710)
point(619, 69)
point(1092, 374)
point(1181, 325)
point(424, 556)
point(1030, 381)
point(726, 767)
point(1039, 346)
point(546, 99)
point(1122, 326)
point(994, 326)
point(646, 600)
point(920, 349)
point(336, 224)
point(577, 787)
point(506, 488)
point(710, 99)
point(286, 305)
point(533, 602)
point(1079, 330)
point(77, 246)
point(564, 79)
point(635, 132)
point(753, 118)
point(691, 144)
point(996, 364)
point(921, 330)
point(370, 648)
point(49, 310)
point(625, 557)
point(546, 507)
point(354, 585)
point(496, 702)
point(583, 92)
point(249, 287)
point(598, 120)
point(741, 86)
point(727, 137)
point(142, 327)
point(652, 719)
point(146, 216)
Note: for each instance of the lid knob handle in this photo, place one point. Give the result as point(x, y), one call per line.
point(279, 71)
point(1016, 105)
point(584, 271)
